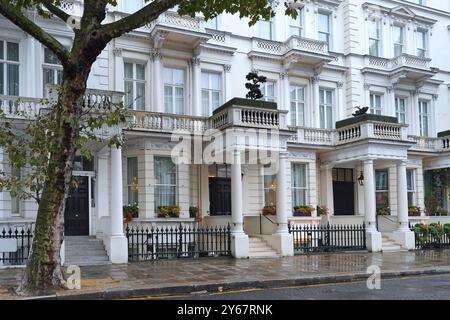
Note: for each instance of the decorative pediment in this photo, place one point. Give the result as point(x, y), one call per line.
point(403, 12)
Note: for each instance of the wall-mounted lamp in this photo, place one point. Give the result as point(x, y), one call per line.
point(361, 179)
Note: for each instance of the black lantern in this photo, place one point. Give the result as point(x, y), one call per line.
point(361, 179)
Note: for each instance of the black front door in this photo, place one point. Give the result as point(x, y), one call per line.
point(343, 192)
point(219, 196)
point(76, 217)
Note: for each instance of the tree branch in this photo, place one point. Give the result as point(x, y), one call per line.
point(55, 10)
point(138, 19)
point(20, 20)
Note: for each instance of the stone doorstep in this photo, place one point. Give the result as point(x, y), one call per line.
point(136, 292)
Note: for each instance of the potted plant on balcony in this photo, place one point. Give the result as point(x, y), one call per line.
point(322, 211)
point(269, 211)
point(303, 211)
point(414, 211)
point(193, 212)
point(130, 212)
point(385, 211)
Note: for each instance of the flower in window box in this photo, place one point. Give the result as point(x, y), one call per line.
point(269, 211)
point(193, 212)
point(303, 211)
point(414, 211)
point(174, 211)
point(163, 212)
point(130, 211)
point(322, 211)
point(384, 211)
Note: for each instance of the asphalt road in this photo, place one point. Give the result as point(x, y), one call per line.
point(410, 288)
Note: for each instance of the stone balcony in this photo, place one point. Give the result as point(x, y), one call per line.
point(295, 49)
point(404, 66)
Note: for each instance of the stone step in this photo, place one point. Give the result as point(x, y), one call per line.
point(87, 252)
point(92, 263)
point(265, 249)
point(391, 248)
point(257, 245)
point(263, 255)
point(87, 258)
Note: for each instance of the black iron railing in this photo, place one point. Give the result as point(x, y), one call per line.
point(177, 242)
point(328, 238)
point(429, 237)
point(24, 240)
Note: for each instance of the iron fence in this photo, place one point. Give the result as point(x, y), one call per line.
point(177, 242)
point(328, 238)
point(426, 239)
point(24, 240)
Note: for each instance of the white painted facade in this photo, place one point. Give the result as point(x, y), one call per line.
point(418, 79)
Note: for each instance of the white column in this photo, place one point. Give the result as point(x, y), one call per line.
point(286, 98)
point(327, 188)
point(282, 214)
point(391, 102)
point(282, 239)
point(158, 82)
point(102, 192)
point(196, 84)
point(403, 235)
point(117, 247)
point(239, 240)
point(373, 237)
point(237, 217)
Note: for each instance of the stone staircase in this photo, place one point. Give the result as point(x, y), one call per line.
point(389, 245)
point(85, 251)
point(258, 248)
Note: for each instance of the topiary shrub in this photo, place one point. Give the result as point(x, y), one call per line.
point(436, 231)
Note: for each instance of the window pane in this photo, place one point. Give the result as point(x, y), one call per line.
point(324, 22)
point(168, 99)
point(168, 76)
point(215, 81)
point(179, 76)
point(13, 80)
point(140, 96)
point(12, 51)
point(129, 94)
point(140, 72)
point(293, 113)
point(50, 57)
point(205, 103)
point(179, 100)
point(49, 77)
point(2, 50)
point(410, 179)
point(381, 178)
point(205, 80)
point(128, 70)
point(215, 100)
point(298, 175)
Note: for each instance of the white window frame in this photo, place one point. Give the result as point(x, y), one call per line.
point(210, 91)
point(401, 44)
point(326, 106)
point(422, 48)
point(377, 25)
point(56, 69)
point(175, 185)
point(131, 184)
point(268, 188)
point(134, 80)
point(376, 109)
point(413, 190)
point(398, 112)
point(298, 105)
point(271, 35)
point(265, 91)
point(297, 24)
point(173, 87)
point(327, 33)
point(387, 184)
point(422, 116)
point(5, 62)
point(304, 188)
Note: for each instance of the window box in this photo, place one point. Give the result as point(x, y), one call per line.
point(303, 211)
point(384, 211)
point(269, 211)
point(414, 211)
point(130, 212)
point(169, 212)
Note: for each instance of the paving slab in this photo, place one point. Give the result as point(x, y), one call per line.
point(184, 276)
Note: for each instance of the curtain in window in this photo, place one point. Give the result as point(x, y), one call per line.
point(165, 180)
point(298, 183)
point(132, 180)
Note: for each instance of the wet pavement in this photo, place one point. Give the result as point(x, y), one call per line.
point(190, 275)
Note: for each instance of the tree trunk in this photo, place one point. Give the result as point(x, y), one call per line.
point(43, 271)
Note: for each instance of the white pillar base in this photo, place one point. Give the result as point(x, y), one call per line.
point(284, 244)
point(118, 249)
point(239, 245)
point(374, 241)
point(405, 238)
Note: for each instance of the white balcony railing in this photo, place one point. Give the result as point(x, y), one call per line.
point(172, 19)
point(153, 121)
point(293, 43)
point(404, 60)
